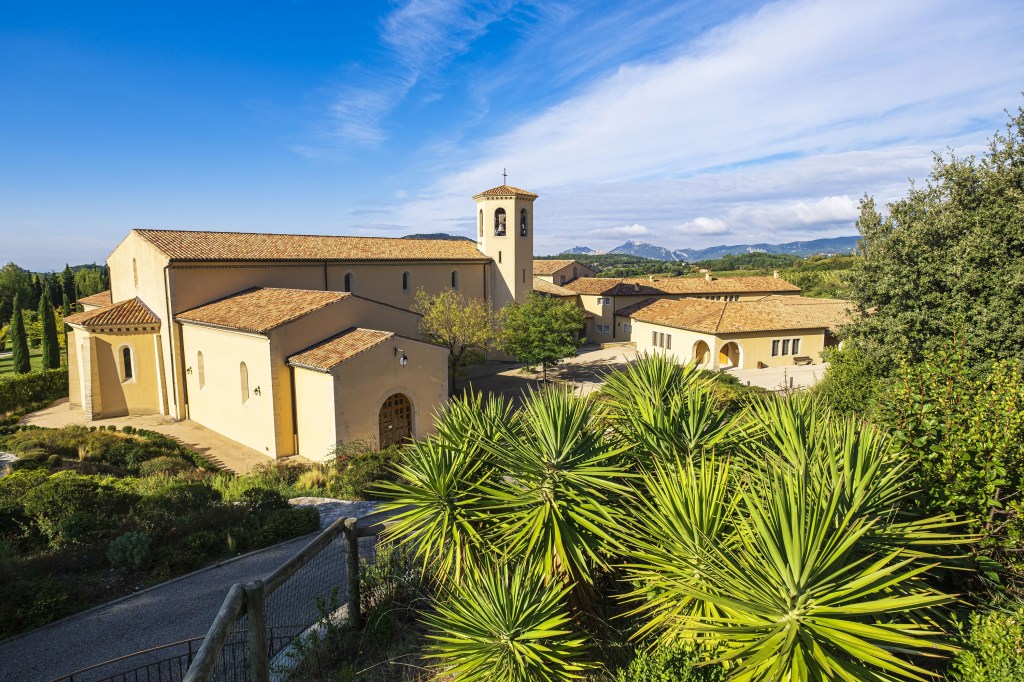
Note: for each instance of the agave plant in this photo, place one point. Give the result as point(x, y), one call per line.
point(503, 625)
point(558, 501)
point(471, 420)
point(652, 379)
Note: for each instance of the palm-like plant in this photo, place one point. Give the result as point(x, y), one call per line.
point(500, 625)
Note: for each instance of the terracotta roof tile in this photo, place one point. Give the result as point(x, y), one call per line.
point(550, 267)
point(261, 310)
point(102, 299)
point(132, 312)
point(506, 191)
point(720, 317)
point(328, 354)
point(543, 286)
point(644, 286)
point(246, 246)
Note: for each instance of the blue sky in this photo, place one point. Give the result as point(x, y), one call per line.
point(684, 124)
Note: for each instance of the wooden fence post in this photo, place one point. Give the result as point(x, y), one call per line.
point(259, 649)
point(352, 541)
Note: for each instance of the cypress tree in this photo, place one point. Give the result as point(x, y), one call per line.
point(19, 341)
point(68, 283)
point(67, 305)
point(51, 348)
point(37, 293)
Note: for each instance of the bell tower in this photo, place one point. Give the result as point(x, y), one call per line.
point(504, 231)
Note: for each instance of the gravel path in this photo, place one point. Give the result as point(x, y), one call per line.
point(179, 609)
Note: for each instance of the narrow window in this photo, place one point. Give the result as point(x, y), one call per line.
point(499, 222)
point(796, 346)
point(455, 279)
point(668, 342)
point(201, 367)
point(480, 225)
point(126, 360)
point(348, 282)
point(405, 282)
point(524, 275)
point(135, 273)
point(775, 348)
point(499, 258)
point(243, 375)
point(785, 346)
point(522, 223)
point(654, 338)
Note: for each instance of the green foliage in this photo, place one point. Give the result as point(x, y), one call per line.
point(750, 261)
point(19, 342)
point(501, 625)
point(624, 265)
point(287, 523)
point(51, 348)
point(131, 550)
point(20, 390)
point(992, 647)
point(949, 256)
point(164, 466)
point(70, 508)
point(466, 326)
point(542, 331)
point(356, 477)
point(671, 663)
point(852, 379)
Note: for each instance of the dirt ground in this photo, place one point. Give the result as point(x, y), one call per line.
point(223, 451)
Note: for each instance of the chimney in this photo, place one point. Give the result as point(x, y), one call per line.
point(650, 277)
point(707, 276)
point(775, 274)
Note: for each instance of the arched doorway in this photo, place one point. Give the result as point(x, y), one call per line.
point(729, 355)
point(701, 353)
point(395, 420)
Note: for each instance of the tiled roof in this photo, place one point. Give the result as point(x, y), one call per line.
point(831, 313)
point(545, 287)
point(550, 267)
point(506, 191)
point(721, 317)
point(261, 310)
point(247, 246)
point(645, 286)
point(630, 309)
point(130, 313)
point(102, 299)
point(328, 354)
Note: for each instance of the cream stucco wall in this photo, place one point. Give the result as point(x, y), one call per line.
point(97, 380)
point(74, 372)
point(315, 409)
point(511, 273)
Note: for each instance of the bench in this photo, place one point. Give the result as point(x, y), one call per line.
point(802, 360)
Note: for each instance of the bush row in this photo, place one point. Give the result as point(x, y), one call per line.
point(20, 390)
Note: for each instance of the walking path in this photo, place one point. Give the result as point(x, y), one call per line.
point(176, 610)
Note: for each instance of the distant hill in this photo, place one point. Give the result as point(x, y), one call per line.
point(645, 250)
point(437, 235)
point(578, 250)
point(813, 247)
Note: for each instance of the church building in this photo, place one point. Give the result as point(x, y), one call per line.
point(288, 344)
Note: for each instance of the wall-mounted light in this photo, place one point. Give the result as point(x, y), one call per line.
point(403, 359)
point(256, 390)
point(188, 371)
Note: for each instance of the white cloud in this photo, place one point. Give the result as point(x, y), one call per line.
point(703, 225)
point(634, 230)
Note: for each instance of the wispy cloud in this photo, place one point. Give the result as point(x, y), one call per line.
point(634, 230)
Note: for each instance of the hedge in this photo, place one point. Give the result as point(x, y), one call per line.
point(21, 390)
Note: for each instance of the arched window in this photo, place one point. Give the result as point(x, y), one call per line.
point(201, 367)
point(243, 376)
point(480, 225)
point(348, 282)
point(127, 370)
point(135, 273)
point(406, 281)
point(395, 420)
point(455, 279)
point(499, 222)
point(522, 223)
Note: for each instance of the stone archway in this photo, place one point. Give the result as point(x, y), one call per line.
point(701, 353)
point(395, 421)
point(729, 356)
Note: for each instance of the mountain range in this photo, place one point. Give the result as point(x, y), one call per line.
point(831, 245)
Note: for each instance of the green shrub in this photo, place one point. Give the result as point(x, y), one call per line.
point(31, 602)
point(21, 390)
point(671, 664)
point(129, 453)
point(190, 505)
point(70, 508)
point(97, 446)
point(206, 543)
point(131, 550)
point(164, 465)
point(263, 500)
point(355, 478)
point(285, 524)
point(54, 461)
point(993, 648)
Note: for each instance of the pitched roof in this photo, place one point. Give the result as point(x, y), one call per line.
point(831, 313)
point(646, 286)
point(721, 317)
point(550, 267)
point(247, 246)
point(102, 299)
point(506, 191)
point(261, 310)
point(130, 313)
point(328, 354)
point(543, 286)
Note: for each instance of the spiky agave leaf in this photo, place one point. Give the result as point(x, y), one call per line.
point(505, 625)
point(652, 379)
point(558, 501)
point(472, 419)
point(683, 509)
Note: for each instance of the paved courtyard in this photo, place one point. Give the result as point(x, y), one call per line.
point(781, 378)
point(219, 449)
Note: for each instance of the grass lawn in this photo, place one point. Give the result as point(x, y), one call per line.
point(35, 357)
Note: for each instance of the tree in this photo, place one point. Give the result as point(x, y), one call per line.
point(68, 283)
point(949, 256)
point(466, 327)
point(542, 331)
point(51, 347)
point(19, 340)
